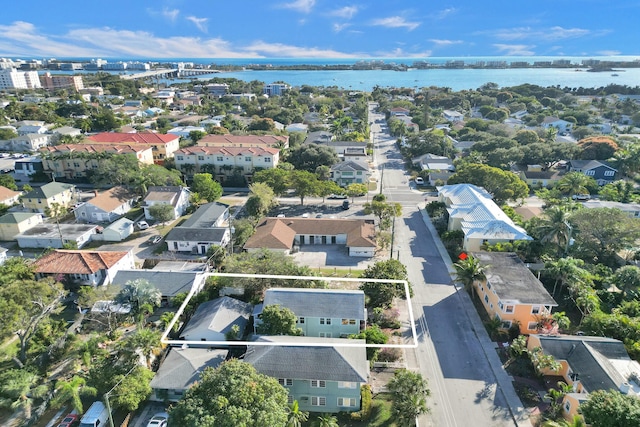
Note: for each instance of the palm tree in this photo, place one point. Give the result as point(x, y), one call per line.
point(327, 420)
point(145, 342)
point(19, 389)
point(56, 211)
point(555, 396)
point(296, 416)
point(574, 183)
point(554, 227)
point(72, 390)
point(468, 271)
point(577, 421)
point(567, 271)
point(138, 293)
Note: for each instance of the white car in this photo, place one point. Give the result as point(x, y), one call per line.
point(158, 420)
point(419, 181)
point(143, 225)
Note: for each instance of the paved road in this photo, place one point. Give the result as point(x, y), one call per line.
point(464, 387)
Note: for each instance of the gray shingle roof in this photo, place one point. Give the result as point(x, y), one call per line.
point(512, 280)
point(48, 190)
point(350, 165)
point(318, 302)
point(185, 234)
point(206, 215)
point(310, 363)
point(169, 283)
point(182, 367)
point(219, 315)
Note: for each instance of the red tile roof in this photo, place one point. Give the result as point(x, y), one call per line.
point(243, 140)
point(133, 138)
point(5, 193)
point(229, 151)
point(77, 262)
point(96, 148)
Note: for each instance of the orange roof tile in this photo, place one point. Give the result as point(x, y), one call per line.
point(5, 193)
point(133, 138)
point(77, 262)
point(112, 198)
point(229, 151)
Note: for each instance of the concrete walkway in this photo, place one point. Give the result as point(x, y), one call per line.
point(504, 381)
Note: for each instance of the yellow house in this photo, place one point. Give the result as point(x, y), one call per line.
point(43, 197)
point(511, 292)
point(15, 223)
point(588, 364)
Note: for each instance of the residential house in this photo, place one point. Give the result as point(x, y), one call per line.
point(106, 206)
point(440, 167)
point(452, 116)
point(65, 131)
point(588, 364)
point(169, 283)
point(51, 235)
point(176, 196)
point(511, 292)
point(282, 234)
point(115, 232)
point(320, 379)
point(340, 147)
point(185, 131)
point(399, 111)
point(471, 210)
point(73, 161)
point(28, 167)
point(602, 172)
point(213, 320)
point(561, 125)
point(275, 89)
point(163, 146)
point(355, 153)
point(631, 209)
point(536, 177)
point(14, 223)
point(350, 172)
point(244, 141)
point(31, 126)
point(43, 197)
point(92, 268)
point(31, 141)
point(325, 313)
point(205, 228)
point(9, 197)
point(224, 162)
point(181, 369)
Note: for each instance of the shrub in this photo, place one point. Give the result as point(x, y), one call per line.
point(389, 355)
point(386, 319)
point(365, 410)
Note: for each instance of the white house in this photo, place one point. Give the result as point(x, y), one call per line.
point(214, 319)
point(452, 116)
point(176, 196)
point(554, 122)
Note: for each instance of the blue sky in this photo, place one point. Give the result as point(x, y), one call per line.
point(318, 28)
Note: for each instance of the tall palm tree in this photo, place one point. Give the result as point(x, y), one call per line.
point(468, 271)
point(554, 228)
point(296, 416)
point(72, 390)
point(567, 271)
point(327, 420)
point(574, 183)
point(139, 292)
point(19, 390)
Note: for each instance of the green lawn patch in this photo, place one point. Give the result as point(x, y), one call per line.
point(338, 272)
point(134, 213)
point(380, 414)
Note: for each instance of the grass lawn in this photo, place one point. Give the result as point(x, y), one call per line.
point(134, 213)
point(338, 272)
point(380, 414)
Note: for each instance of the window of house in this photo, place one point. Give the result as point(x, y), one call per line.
point(200, 157)
point(247, 159)
point(267, 159)
point(532, 326)
point(346, 402)
point(488, 285)
point(347, 384)
point(219, 158)
point(509, 309)
point(506, 324)
point(301, 320)
point(288, 382)
point(318, 401)
point(318, 383)
point(590, 172)
point(325, 321)
point(609, 173)
point(567, 406)
point(324, 334)
point(180, 157)
point(486, 298)
point(290, 399)
point(535, 309)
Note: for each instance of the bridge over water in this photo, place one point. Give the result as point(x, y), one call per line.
point(168, 73)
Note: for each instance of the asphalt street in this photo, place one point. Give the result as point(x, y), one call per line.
point(450, 355)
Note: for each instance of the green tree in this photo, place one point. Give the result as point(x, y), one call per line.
point(162, 212)
point(385, 211)
point(307, 157)
point(261, 199)
point(381, 294)
point(276, 320)
point(575, 183)
point(133, 389)
point(567, 271)
point(305, 184)
point(355, 190)
point(611, 409)
point(56, 211)
point(555, 397)
point(7, 133)
point(19, 389)
point(72, 390)
point(627, 278)
point(326, 188)
point(138, 293)
point(206, 187)
point(554, 228)
point(296, 416)
point(8, 181)
point(502, 185)
point(143, 341)
point(327, 420)
point(233, 394)
point(469, 271)
point(196, 135)
point(409, 394)
point(276, 178)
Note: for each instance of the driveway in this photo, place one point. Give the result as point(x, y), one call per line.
point(320, 256)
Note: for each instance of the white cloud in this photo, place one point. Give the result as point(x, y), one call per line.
point(395, 22)
point(609, 52)
point(261, 48)
point(339, 27)
point(544, 34)
point(442, 43)
point(201, 23)
point(515, 49)
point(445, 12)
point(346, 12)
point(302, 6)
point(401, 53)
point(171, 15)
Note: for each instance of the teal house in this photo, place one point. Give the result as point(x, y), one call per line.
point(322, 313)
point(321, 378)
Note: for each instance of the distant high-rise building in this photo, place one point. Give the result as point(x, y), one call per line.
point(275, 89)
point(10, 78)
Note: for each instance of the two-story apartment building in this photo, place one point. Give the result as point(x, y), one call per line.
point(244, 141)
point(162, 146)
point(350, 172)
point(602, 172)
point(41, 198)
point(224, 161)
point(176, 196)
point(72, 161)
point(325, 313)
point(14, 223)
point(320, 379)
point(511, 292)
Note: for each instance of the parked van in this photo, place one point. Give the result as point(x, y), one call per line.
point(97, 415)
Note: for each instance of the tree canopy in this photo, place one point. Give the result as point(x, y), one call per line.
point(204, 185)
point(276, 320)
point(232, 395)
point(502, 185)
point(611, 409)
point(382, 294)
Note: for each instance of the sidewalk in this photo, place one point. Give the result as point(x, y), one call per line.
point(504, 381)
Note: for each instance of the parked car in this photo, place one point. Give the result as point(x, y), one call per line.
point(345, 205)
point(337, 196)
point(419, 180)
point(154, 240)
point(143, 225)
point(69, 421)
point(158, 420)
point(581, 197)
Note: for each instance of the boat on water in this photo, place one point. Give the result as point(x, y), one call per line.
point(615, 75)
